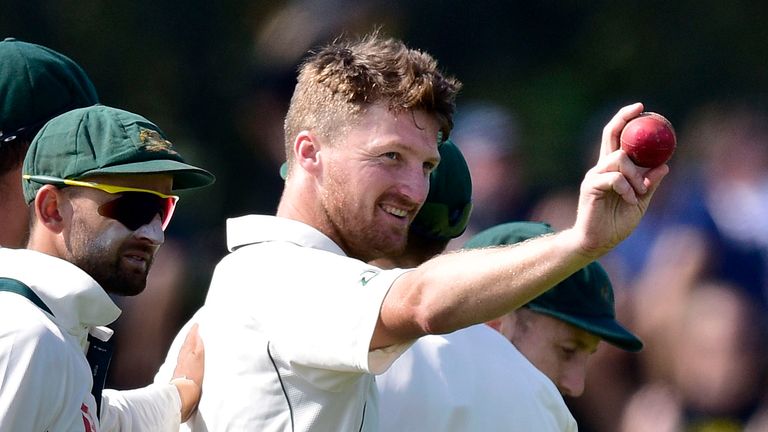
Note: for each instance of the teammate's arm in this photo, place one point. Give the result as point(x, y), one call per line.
point(160, 406)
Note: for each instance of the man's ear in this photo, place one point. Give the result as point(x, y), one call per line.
point(306, 151)
point(49, 206)
point(494, 324)
point(505, 324)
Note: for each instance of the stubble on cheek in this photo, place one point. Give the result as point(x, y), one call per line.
point(100, 256)
point(353, 219)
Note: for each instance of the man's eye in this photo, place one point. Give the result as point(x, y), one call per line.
point(391, 155)
point(567, 353)
point(429, 167)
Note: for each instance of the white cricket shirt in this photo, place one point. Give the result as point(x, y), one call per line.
point(470, 380)
point(286, 324)
point(45, 379)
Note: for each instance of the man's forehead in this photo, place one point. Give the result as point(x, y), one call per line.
point(420, 119)
point(381, 130)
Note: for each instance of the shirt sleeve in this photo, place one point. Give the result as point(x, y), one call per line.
point(156, 407)
point(337, 315)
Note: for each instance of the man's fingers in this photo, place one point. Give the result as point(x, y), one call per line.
point(612, 130)
point(613, 182)
point(630, 188)
point(635, 178)
point(654, 176)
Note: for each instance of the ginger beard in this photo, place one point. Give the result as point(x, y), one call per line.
point(356, 220)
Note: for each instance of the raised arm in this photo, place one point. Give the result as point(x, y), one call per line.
point(459, 289)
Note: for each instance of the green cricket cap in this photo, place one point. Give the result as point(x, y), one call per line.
point(37, 84)
point(584, 300)
point(100, 140)
point(445, 213)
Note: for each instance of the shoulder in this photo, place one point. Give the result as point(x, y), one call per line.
point(25, 325)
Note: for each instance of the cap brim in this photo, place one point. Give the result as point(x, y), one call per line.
point(184, 176)
point(606, 328)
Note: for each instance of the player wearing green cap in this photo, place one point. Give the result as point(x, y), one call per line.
point(475, 379)
point(99, 183)
point(36, 84)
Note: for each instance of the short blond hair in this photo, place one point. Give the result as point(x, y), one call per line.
point(337, 83)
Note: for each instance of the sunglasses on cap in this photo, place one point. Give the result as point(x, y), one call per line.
point(133, 207)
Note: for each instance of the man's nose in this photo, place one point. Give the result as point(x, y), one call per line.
point(571, 382)
point(152, 231)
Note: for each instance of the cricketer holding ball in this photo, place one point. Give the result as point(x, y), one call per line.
point(297, 323)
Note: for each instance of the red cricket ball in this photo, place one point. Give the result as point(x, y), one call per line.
point(648, 139)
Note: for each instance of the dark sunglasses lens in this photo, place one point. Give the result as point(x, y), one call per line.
point(135, 209)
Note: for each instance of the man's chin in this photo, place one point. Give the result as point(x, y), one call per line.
point(391, 250)
point(126, 288)
point(123, 292)
point(376, 250)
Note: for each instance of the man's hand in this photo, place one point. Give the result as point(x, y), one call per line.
point(615, 193)
point(188, 375)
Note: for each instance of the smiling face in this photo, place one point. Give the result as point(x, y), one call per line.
point(556, 348)
point(375, 179)
point(117, 257)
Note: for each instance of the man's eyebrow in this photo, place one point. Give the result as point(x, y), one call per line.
point(581, 344)
point(399, 145)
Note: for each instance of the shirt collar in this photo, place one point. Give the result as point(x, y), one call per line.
point(77, 301)
point(245, 230)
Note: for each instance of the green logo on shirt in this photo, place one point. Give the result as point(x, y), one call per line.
point(367, 275)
